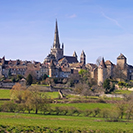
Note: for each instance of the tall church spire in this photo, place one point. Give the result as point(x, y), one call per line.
point(56, 37)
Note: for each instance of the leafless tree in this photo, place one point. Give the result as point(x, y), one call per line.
point(98, 61)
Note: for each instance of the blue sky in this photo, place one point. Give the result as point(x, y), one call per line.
point(99, 27)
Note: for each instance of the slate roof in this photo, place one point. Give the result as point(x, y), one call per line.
point(102, 64)
point(71, 59)
point(108, 62)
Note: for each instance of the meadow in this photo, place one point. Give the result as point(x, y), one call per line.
point(24, 122)
point(64, 123)
point(4, 93)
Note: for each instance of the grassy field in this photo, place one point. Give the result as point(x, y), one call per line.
point(122, 92)
point(72, 122)
point(84, 106)
point(4, 93)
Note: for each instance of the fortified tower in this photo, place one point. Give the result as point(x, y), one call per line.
point(121, 61)
point(102, 72)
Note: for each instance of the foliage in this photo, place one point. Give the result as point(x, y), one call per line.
point(9, 106)
point(44, 76)
point(122, 83)
point(106, 85)
point(85, 78)
point(111, 115)
point(29, 79)
point(30, 98)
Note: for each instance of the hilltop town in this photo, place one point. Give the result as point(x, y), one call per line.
point(58, 65)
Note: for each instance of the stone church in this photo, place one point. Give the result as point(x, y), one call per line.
point(64, 65)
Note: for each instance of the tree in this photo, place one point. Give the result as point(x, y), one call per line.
point(44, 76)
point(37, 100)
point(29, 98)
point(106, 85)
point(98, 61)
point(85, 77)
point(118, 73)
point(17, 92)
point(19, 76)
point(121, 106)
point(29, 79)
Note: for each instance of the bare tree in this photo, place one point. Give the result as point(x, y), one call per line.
point(118, 73)
point(98, 61)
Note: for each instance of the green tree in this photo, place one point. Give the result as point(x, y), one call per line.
point(85, 77)
point(106, 85)
point(29, 79)
point(44, 76)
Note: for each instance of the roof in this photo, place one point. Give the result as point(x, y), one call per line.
point(77, 65)
point(102, 64)
point(121, 56)
point(108, 62)
point(91, 66)
point(71, 59)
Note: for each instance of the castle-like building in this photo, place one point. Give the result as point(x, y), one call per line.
point(106, 69)
point(56, 64)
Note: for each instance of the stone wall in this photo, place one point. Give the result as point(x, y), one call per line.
point(7, 85)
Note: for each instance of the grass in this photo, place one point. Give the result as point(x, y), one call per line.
point(122, 92)
point(52, 94)
point(62, 121)
point(84, 106)
point(4, 93)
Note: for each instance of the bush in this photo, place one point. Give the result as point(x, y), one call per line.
point(111, 115)
point(87, 112)
point(9, 107)
point(95, 112)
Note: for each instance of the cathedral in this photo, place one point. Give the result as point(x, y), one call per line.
point(62, 62)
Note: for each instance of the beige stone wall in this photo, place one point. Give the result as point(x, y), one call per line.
point(102, 75)
point(121, 63)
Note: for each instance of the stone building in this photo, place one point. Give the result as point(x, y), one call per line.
point(64, 64)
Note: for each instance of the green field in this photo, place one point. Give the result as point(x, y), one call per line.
point(84, 106)
point(71, 122)
point(62, 123)
point(4, 93)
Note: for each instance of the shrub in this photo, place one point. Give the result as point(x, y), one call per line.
point(9, 107)
point(95, 112)
point(111, 115)
point(72, 110)
point(87, 112)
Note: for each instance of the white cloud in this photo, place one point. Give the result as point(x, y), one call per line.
point(112, 20)
point(73, 16)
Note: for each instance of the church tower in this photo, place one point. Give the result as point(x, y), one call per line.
point(56, 50)
point(75, 55)
point(83, 58)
